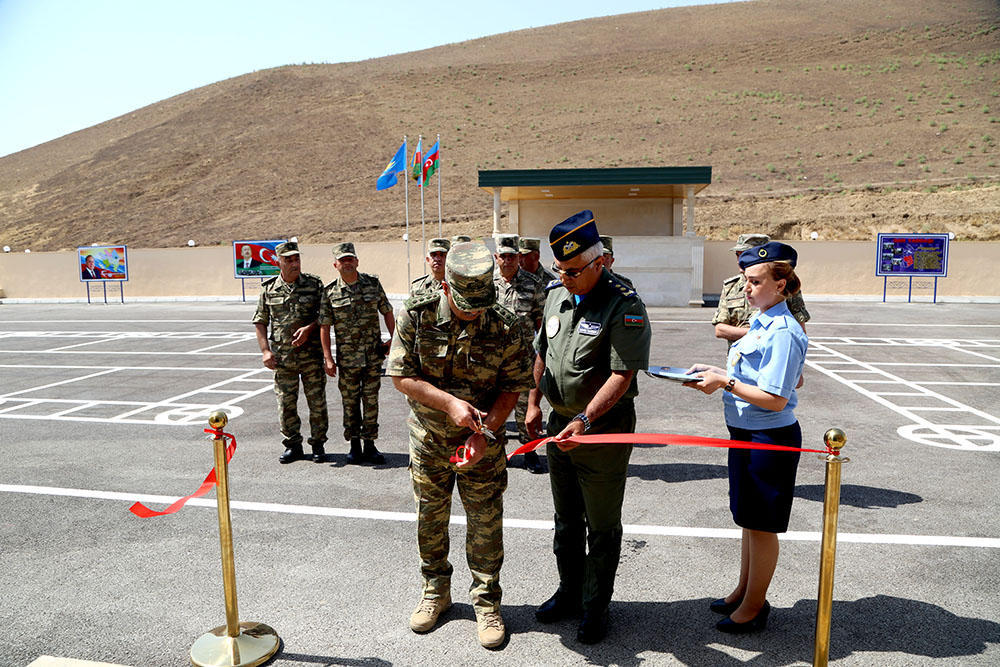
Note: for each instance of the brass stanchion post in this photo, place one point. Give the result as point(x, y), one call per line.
point(835, 440)
point(234, 644)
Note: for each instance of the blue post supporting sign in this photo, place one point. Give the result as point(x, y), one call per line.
point(909, 256)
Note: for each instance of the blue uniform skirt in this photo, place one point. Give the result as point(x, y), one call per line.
point(762, 483)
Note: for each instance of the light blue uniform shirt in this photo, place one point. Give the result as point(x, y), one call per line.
point(770, 356)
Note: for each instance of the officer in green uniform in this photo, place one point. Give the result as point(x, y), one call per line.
point(461, 360)
point(290, 303)
point(437, 252)
point(351, 306)
point(528, 247)
point(609, 258)
point(595, 335)
point(732, 318)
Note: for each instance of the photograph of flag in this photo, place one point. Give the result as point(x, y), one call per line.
point(431, 161)
point(396, 165)
point(418, 162)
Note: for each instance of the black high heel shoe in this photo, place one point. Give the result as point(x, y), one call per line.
point(755, 624)
point(720, 606)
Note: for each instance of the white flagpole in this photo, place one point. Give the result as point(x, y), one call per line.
point(439, 183)
point(406, 197)
point(422, 241)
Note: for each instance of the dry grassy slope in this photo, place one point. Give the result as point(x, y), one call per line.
point(813, 116)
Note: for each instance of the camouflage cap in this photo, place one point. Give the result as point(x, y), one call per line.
point(469, 274)
point(528, 244)
point(460, 238)
point(287, 249)
point(438, 245)
point(344, 250)
point(747, 241)
point(506, 244)
point(609, 244)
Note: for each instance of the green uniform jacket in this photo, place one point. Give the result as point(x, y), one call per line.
point(286, 307)
point(352, 311)
point(424, 285)
point(581, 344)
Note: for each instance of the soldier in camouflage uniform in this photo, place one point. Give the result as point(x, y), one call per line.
point(732, 318)
point(460, 238)
point(528, 248)
point(609, 259)
point(437, 253)
point(289, 303)
point(524, 294)
point(351, 305)
point(461, 360)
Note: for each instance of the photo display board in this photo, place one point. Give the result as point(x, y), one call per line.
point(912, 255)
point(105, 262)
point(255, 259)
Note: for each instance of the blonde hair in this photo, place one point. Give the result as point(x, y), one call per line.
point(784, 271)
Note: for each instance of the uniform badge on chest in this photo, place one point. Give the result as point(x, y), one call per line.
point(552, 326)
point(587, 328)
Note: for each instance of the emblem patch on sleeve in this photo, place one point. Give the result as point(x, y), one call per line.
point(635, 320)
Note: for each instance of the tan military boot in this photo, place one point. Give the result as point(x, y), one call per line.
point(491, 628)
point(425, 616)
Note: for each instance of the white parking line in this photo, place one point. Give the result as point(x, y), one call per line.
point(56, 384)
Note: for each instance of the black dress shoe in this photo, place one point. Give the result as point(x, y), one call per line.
point(372, 454)
point(533, 464)
point(319, 454)
point(720, 606)
point(593, 627)
point(291, 454)
point(557, 607)
point(755, 624)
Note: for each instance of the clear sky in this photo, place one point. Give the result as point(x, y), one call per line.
point(69, 64)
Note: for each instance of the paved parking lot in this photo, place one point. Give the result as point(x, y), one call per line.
point(102, 405)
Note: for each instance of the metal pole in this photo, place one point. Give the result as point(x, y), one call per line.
point(909, 291)
point(439, 189)
point(406, 206)
point(835, 440)
point(226, 536)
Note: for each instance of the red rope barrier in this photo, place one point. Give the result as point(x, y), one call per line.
point(664, 439)
point(144, 512)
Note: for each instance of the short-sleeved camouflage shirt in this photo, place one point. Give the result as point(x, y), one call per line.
point(353, 311)
point(475, 361)
point(286, 307)
point(524, 296)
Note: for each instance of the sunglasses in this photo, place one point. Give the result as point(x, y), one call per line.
point(572, 273)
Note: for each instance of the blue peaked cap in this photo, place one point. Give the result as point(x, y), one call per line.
point(769, 252)
point(574, 235)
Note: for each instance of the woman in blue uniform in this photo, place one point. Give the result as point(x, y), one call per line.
point(759, 382)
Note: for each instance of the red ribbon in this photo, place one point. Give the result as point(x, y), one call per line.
point(144, 512)
point(663, 439)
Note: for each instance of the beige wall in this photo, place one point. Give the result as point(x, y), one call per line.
point(826, 267)
point(617, 217)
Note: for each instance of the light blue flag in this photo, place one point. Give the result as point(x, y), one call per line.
point(396, 165)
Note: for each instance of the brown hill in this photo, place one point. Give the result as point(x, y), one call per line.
point(841, 117)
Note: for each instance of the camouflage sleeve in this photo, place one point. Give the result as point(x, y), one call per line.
point(539, 306)
point(722, 315)
point(325, 311)
point(798, 307)
point(383, 301)
point(262, 315)
point(402, 361)
point(516, 368)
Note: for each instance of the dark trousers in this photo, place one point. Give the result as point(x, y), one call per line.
point(588, 487)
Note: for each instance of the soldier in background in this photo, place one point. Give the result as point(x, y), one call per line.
point(461, 360)
point(290, 303)
point(609, 259)
point(732, 318)
point(523, 294)
point(529, 256)
point(460, 238)
point(351, 305)
point(437, 252)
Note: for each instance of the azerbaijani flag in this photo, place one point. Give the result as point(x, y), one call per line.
point(431, 161)
point(396, 165)
point(418, 162)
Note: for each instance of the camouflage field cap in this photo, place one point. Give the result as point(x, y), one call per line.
point(469, 273)
point(609, 244)
point(528, 244)
point(507, 244)
point(287, 249)
point(344, 250)
point(747, 241)
point(460, 238)
point(438, 245)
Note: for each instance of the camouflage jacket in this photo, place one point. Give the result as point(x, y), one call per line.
point(352, 311)
point(424, 285)
point(286, 307)
point(524, 295)
point(475, 361)
point(734, 309)
point(544, 275)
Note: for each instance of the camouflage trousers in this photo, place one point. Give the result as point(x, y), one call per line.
point(359, 391)
point(286, 388)
point(481, 489)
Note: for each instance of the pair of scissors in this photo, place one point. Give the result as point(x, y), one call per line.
point(481, 429)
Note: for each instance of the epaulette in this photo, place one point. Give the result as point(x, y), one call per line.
point(414, 282)
point(269, 281)
point(313, 276)
point(421, 300)
point(509, 318)
point(620, 286)
point(532, 276)
point(553, 284)
point(731, 279)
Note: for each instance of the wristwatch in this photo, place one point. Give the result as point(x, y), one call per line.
point(729, 385)
point(583, 418)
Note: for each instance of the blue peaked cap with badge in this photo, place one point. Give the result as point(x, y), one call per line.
point(574, 235)
point(769, 252)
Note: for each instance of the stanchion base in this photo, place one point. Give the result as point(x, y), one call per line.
point(255, 645)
